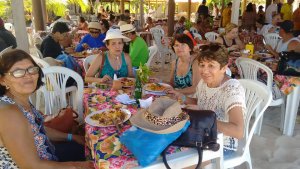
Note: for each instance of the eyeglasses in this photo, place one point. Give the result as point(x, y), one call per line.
point(22, 72)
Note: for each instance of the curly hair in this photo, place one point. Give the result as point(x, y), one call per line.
point(213, 52)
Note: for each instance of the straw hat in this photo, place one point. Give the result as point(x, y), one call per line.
point(162, 117)
point(115, 34)
point(94, 25)
point(122, 23)
point(127, 28)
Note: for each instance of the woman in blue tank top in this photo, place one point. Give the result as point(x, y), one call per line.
point(111, 62)
point(184, 71)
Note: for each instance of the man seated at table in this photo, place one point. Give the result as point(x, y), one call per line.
point(92, 40)
point(50, 46)
point(138, 49)
point(231, 38)
point(287, 42)
point(113, 61)
point(272, 27)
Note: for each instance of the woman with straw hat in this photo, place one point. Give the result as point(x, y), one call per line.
point(113, 61)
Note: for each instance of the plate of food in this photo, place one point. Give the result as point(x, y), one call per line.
point(98, 99)
point(265, 55)
point(127, 82)
point(108, 117)
point(156, 87)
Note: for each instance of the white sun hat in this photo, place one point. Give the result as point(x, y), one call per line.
point(127, 28)
point(115, 34)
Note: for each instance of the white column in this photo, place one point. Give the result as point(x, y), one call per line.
point(235, 11)
point(19, 24)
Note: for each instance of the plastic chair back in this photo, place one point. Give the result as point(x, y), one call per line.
point(152, 52)
point(257, 98)
point(211, 36)
point(87, 62)
point(272, 39)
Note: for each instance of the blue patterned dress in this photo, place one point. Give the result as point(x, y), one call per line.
point(45, 149)
point(109, 70)
point(185, 81)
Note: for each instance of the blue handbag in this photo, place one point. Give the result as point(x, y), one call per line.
point(147, 146)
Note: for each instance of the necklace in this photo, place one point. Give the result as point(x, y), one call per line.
point(25, 105)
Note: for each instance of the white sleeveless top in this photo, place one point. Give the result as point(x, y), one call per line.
point(283, 46)
point(221, 100)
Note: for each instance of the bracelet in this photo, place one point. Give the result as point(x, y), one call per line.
point(69, 137)
point(183, 98)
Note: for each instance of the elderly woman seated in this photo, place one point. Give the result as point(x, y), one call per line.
point(217, 92)
point(231, 38)
point(184, 70)
point(287, 42)
point(113, 61)
point(27, 144)
point(92, 40)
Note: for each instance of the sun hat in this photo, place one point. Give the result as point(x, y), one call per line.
point(94, 25)
point(122, 23)
point(115, 34)
point(287, 26)
point(127, 28)
point(164, 116)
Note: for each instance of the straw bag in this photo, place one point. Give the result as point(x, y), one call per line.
point(201, 134)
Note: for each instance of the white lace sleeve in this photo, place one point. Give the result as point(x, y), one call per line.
point(235, 95)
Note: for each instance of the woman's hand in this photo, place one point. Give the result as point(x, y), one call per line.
point(79, 139)
point(106, 79)
point(233, 48)
point(82, 165)
point(268, 47)
point(174, 94)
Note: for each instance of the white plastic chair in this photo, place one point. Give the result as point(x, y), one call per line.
point(152, 52)
point(87, 62)
point(56, 92)
point(272, 39)
point(193, 30)
point(40, 62)
point(211, 36)
point(249, 69)
point(258, 98)
point(197, 35)
point(9, 27)
point(6, 50)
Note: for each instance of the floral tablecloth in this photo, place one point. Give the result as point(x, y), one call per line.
point(103, 144)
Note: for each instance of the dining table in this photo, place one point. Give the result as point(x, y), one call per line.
point(103, 144)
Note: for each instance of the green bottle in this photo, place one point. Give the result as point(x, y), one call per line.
point(138, 88)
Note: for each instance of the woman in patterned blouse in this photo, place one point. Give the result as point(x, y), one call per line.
point(23, 139)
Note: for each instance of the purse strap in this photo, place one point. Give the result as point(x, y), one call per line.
point(200, 153)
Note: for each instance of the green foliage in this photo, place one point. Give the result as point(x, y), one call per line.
point(188, 24)
point(144, 72)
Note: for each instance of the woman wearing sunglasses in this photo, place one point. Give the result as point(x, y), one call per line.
point(92, 40)
point(24, 141)
point(217, 92)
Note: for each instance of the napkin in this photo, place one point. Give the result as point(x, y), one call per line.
point(145, 103)
point(125, 99)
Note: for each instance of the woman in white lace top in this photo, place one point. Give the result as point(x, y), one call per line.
point(217, 92)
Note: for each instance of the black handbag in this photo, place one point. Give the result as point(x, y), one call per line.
point(289, 64)
point(201, 134)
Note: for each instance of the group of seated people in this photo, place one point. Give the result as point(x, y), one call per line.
point(197, 77)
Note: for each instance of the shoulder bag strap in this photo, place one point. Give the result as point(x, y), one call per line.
point(200, 153)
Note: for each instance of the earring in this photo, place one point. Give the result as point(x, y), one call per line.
point(6, 87)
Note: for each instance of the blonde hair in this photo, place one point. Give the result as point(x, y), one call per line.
point(229, 27)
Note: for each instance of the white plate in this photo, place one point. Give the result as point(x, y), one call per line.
point(155, 91)
point(95, 123)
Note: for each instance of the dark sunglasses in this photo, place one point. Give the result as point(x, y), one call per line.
point(22, 72)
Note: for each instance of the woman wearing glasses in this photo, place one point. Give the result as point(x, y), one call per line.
point(24, 141)
point(184, 70)
point(113, 61)
point(92, 40)
point(217, 92)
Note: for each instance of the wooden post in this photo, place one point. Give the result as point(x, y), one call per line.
point(19, 25)
point(189, 9)
point(45, 15)
point(122, 6)
point(37, 12)
point(142, 14)
point(171, 12)
point(235, 11)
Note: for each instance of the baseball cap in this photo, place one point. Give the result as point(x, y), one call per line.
point(287, 26)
